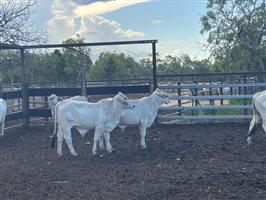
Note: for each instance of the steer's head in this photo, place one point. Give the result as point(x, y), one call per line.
point(123, 99)
point(53, 100)
point(161, 96)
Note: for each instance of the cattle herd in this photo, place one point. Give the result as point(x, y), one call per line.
point(105, 115)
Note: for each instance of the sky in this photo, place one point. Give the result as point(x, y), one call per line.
point(174, 23)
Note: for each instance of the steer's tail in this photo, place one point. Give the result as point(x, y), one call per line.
point(255, 119)
point(54, 138)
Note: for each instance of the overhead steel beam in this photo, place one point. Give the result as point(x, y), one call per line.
point(7, 46)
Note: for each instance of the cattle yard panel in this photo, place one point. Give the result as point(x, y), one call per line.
point(205, 97)
point(13, 95)
point(25, 90)
point(38, 92)
point(193, 97)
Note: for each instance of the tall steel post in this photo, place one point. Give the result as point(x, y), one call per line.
point(154, 66)
point(25, 93)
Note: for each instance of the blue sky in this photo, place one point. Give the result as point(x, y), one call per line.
point(174, 23)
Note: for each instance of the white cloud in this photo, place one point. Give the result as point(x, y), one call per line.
point(70, 19)
point(60, 28)
point(62, 24)
point(157, 21)
point(97, 28)
point(99, 8)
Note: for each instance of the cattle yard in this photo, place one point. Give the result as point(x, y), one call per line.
point(200, 160)
point(181, 162)
point(196, 149)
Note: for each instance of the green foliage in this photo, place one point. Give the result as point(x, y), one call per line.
point(51, 67)
point(72, 64)
point(234, 111)
point(114, 66)
point(77, 60)
point(182, 65)
point(145, 68)
point(236, 34)
point(9, 62)
point(240, 101)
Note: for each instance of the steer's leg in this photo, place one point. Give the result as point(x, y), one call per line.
point(107, 141)
point(264, 124)
point(2, 128)
point(101, 143)
point(142, 129)
point(60, 139)
point(97, 135)
point(252, 129)
point(67, 136)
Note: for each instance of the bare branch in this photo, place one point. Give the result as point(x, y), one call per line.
point(15, 24)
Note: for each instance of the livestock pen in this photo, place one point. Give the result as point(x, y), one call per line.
point(203, 160)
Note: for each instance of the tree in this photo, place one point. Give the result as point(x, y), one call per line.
point(15, 24)
point(77, 60)
point(114, 66)
point(50, 67)
point(236, 34)
point(145, 68)
point(15, 28)
point(182, 65)
point(9, 62)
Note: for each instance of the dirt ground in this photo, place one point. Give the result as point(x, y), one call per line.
point(181, 162)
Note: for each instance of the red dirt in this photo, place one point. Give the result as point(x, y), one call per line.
point(184, 162)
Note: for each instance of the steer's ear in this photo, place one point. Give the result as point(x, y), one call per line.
point(158, 90)
point(163, 95)
point(123, 102)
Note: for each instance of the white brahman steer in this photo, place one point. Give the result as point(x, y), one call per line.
point(103, 116)
point(144, 113)
point(53, 100)
point(3, 109)
point(259, 113)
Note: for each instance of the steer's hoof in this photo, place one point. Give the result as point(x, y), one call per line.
point(109, 151)
point(143, 146)
point(74, 154)
point(249, 140)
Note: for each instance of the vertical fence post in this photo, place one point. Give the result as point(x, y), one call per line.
point(154, 67)
point(84, 88)
point(25, 105)
point(231, 89)
point(179, 100)
point(46, 106)
point(25, 92)
point(1, 90)
point(196, 94)
point(245, 93)
point(221, 92)
point(239, 88)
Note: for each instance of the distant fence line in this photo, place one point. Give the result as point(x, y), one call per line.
point(204, 97)
point(194, 97)
point(38, 92)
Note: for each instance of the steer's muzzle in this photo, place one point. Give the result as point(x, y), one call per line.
point(131, 106)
